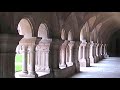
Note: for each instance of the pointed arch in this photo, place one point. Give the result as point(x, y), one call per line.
point(25, 28)
point(91, 21)
point(43, 31)
point(84, 34)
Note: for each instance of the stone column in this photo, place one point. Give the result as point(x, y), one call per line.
point(95, 53)
point(8, 44)
point(63, 55)
point(32, 72)
point(83, 60)
point(87, 51)
point(100, 52)
point(70, 44)
point(91, 52)
point(43, 60)
point(105, 52)
point(24, 60)
point(76, 56)
point(38, 59)
point(55, 56)
point(47, 61)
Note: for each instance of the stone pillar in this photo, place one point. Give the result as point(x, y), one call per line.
point(55, 55)
point(47, 69)
point(95, 53)
point(43, 57)
point(8, 44)
point(62, 63)
point(32, 72)
point(31, 44)
point(70, 44)
point(83, 60)
point(100, 51)
point(105, 52)
point(87, 51)
point(24, 60)
point(91, 52)
point(38, 58)
point(76, 56)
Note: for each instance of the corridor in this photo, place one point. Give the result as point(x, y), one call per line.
point(107, 68)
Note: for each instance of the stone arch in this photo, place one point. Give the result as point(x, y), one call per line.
point(19, 16)
point(93, 36)
point(84, 31)
point(43, 31)
point(25, 28)
point(70, 35)
point(91, 21)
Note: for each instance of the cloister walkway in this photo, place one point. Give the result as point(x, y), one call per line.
point(106, 68)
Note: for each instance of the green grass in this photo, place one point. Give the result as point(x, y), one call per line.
point(18, 68)
point(18, 62)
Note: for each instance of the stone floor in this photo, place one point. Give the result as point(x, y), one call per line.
point(107, 68)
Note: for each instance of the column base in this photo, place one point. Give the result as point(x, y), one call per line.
point(40, 69)
point(83, 63)
point(32, 75)
point(106, 56)
point(100, 58)
point(88, 62)
point(69, 64)
point(92, 60)
point(47, 69)
point(95, 59)
point(77, 66)
point(62, 66)
point(23, 74)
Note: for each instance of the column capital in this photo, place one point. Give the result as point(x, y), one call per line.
point(29, 41)
point(71, 43)
point(44, 45)
point(65, 43)
point(83, 44)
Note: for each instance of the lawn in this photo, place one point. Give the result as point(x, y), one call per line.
point(18, 62)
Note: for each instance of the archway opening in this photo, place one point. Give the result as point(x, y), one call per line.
point(114, 45)
point(42, 51)
point(25, 29)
